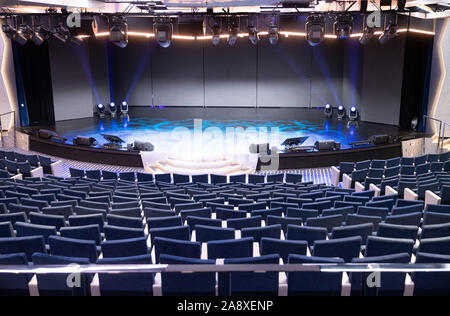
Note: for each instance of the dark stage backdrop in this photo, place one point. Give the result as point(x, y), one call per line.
point(416, 78)
point(33, 66)
point(197, 74)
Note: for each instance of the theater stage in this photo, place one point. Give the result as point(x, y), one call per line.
point(208, 133)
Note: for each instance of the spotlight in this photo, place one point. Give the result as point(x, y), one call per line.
point(389, 33)
point(273, 34)
point(367, 35)
point(234, 31)
point(328, 111)
point(9, 30)
point(353, 114)
point(315, 30)
point(253, 35)
point(124, 107)
point(118, 31)
point(112, 109)
point(341, 112)
point(43, 32)
point(216, 35)
point(21, 37)
point(163, 33)
point(101, 110)
point(343, 26)
point(62, 33)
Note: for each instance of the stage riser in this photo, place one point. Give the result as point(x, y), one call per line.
point(333, 158)
point(87, 154)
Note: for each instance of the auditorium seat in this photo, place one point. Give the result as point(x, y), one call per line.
point(381, 246)
point(309, 234)
point(247, 222)
point(435, 231)
point(57, 284)
point(13, 284)
point(124, 248)
point(126, 284)
point(361, 230)
point(26, 229)
point(6, 230)
point(345, 248)
point(397, 231)
point(187, 284)
point(391, 284)
point(439, 246)
point(253, 283)
point(236, 248)
point(175, 247)
point(87, 232)
point(431, 283)
point(210, 233)
point(70, 247)
point(314, 283)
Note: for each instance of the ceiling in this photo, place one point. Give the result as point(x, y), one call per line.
point(418, 8)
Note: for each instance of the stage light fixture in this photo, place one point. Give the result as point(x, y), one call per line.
point(340, 112)
point(118, 31)
point(163, 33)
point(353, 114)
point(101, 110)
point(273, 34)
point(233, 35)
point(216, 35)
point(9, 31)
point(62, 33)
point(124, 107)
point(315, 29)
point(343, 26)
point(389, 33)
point(43, 32)
point(367, 35)
point(112, 109)
point(253, 35)
point(328, 111)
point(21, 37)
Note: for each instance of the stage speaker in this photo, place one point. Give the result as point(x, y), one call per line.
point(379, 139)
point(141, 146)
point(259, 148)
point(46, 134)
point(327, 145)
point(84, 141)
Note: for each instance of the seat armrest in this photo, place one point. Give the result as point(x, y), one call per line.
point(346, 285)
point(95, 286)
point(37, 173)
point(410, 195)
point(409, 286)
point(33, 286)
point(432, 198)
point(17, 177)
point(346, 181)
point(390, 191)
point(57, 168)
point(157, 285)
point(359, 187)
point(377, 190)
point(335, 172)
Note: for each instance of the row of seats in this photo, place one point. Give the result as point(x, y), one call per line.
point(183, 213)
point(28, 165)
point(181, 179)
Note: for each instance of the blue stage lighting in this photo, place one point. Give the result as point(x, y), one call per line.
point(341, 112)
point(328, 111)
point(101, 110)
point(353, 114)
point(124, 107)
point(112, 108)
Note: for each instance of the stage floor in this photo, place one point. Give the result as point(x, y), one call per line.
point(214, 132)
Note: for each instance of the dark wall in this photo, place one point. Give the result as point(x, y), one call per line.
point(195, 73)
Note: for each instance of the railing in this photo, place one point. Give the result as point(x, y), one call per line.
point(441, 133)
point(7, 125)
point(227, 268)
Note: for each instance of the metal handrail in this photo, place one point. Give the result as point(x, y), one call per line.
point(227, 268)
point(441, 133)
